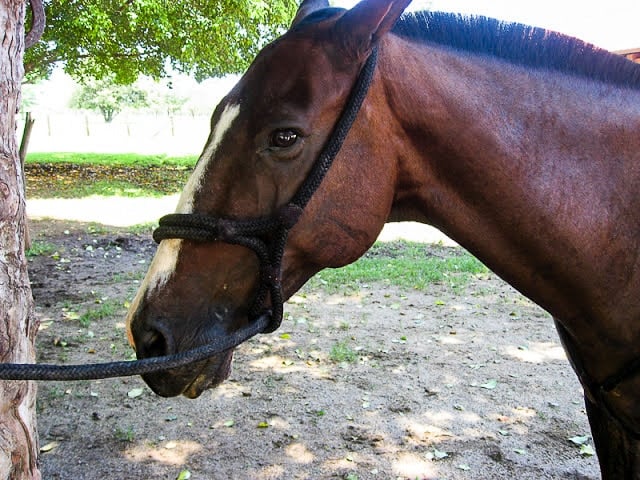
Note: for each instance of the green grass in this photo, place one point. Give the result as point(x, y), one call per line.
point(78, 175)
point(404, 264)
point(41, 248)
point(113, 188)
point(341, 352)
point(105, 309)
point(112, 160)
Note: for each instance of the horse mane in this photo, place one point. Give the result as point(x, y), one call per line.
point(519, 44)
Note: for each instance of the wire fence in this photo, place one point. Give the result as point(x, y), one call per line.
point(127, 133)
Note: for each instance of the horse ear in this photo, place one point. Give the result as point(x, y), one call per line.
point(361, 28)
point(307, 7)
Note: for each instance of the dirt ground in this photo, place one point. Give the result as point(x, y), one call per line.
point(378, 383)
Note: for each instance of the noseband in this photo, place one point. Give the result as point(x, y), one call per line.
point(267, 236)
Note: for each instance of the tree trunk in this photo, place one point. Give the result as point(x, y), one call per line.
point(24, 147)
point(26, 137)
point(18, 325)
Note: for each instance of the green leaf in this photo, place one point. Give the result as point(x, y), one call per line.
point(48, 447)
point(184, 475)
point(579, 440)
point(437, 454)
point(263, 425)
point(229, 423)
point(285, 336)
point(587, 451)
point(490, 385)
point(136, 392)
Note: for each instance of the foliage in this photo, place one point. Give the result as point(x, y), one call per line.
point(204, 38)
point(342, 352)
point(108, 97)
point(39, 247)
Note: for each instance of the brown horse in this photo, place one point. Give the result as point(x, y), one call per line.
point(520, 144)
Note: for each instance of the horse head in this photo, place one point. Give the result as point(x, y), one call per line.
point(265, 138)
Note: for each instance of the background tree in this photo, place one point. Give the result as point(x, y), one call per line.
point(18, 324)
point(203, 38)
point(108, 97)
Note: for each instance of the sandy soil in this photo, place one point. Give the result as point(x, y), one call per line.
point(469, 383)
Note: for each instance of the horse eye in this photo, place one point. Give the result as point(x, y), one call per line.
point(283, 138)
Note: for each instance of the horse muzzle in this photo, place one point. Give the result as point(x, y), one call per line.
point(192, 380)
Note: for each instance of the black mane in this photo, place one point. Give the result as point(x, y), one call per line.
point(520, 44)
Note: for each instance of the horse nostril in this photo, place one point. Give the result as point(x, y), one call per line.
point(155, 342)
point(156, 345)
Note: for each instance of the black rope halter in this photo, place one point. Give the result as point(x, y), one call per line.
point(266, 236)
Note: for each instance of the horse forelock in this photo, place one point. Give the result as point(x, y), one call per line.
point(519, 44)
point(222, 126)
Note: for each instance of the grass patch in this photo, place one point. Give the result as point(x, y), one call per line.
point(112, 160)
point(125, 175)
point(105, 309)
point(143, 228)
point(127, 434)
point(112, 188)
point(40, 248)
point(341, 352)
point(404, 264)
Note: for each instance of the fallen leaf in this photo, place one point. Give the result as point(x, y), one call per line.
point(136, 392)
point(229, 423)
point(263, 425)
point(436, 454)
point(587, 451)
point(48, 447)
point(184, 475)
point(464, 466)
point(490, 385)
point(579, 439)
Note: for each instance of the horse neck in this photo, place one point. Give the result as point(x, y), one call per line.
point(506, 163)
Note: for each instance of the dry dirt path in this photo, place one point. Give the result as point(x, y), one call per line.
point(374, 383)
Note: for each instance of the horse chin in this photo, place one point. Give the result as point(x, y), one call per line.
point(211, 376)
point(181, 381)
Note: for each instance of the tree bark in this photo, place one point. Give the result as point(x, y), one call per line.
point(18, 325)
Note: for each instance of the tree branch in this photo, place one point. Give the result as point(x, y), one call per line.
point(37, 24)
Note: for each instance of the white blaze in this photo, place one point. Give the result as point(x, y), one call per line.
point(185, 205)
point(166, 257)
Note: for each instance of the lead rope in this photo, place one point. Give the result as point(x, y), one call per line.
point(248, 233)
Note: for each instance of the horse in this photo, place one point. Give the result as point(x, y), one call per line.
point(521, 144)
